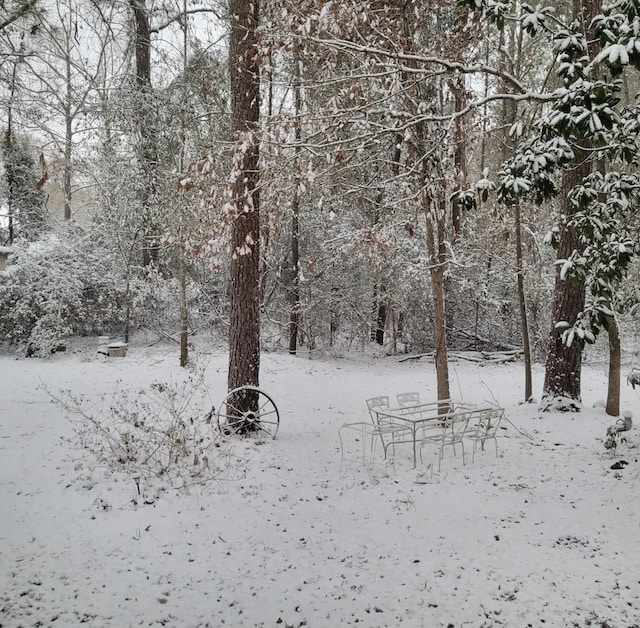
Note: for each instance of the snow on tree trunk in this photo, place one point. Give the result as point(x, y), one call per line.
point(522, 304)
point(147, 132)
point(244, 332)
point(563, 365)
point(435, 222)
point(294, 288)
point(184, 309)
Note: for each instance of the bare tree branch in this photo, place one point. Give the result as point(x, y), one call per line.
point(20, 11)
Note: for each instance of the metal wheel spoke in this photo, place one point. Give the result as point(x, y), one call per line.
point(229, 417)
point(267, 428)
point(232, 418)
point(264, 405)
point(237, 411)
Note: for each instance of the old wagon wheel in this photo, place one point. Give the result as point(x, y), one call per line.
point(248, 410)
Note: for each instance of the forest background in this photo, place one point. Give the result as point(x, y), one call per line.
point(424, 176)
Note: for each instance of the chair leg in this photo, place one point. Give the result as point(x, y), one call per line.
point(373, 452)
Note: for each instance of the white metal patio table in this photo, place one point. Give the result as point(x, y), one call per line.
point(422, 416)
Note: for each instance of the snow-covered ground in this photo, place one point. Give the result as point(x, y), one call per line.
point(546, 534)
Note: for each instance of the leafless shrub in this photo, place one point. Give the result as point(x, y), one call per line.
point(161, 437)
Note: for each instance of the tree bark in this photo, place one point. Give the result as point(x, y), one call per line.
point(8, 147)
point(294, 292)
point(459, 91)
point(564, 363)
point(244, 332)
point(184, 310)
point(68, 132)
point(381, 322)
point(510, 113)
point(522, 302)
point(563, 366)
point(613, 390)
point(147, 140)
point(436, 249)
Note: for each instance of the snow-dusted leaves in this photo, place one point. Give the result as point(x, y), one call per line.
point(618, 28)
point(535, 19)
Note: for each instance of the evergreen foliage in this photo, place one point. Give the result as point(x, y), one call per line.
point(587, 105)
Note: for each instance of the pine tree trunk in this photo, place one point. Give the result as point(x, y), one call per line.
point(244, 332)
point(564, 363)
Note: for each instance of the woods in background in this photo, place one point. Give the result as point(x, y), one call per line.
point(306, 175)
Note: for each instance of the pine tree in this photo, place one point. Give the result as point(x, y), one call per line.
point(244, 332)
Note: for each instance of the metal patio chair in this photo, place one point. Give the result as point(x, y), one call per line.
point(390, 432)
point(450, 431)
point(485, 424)
point(408, 399)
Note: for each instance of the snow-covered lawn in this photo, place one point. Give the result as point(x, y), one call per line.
point(547, 534)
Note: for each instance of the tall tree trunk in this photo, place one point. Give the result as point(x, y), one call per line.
point(184, 310)
point(379, 311)
point(381, 322)
point(434, 195)
point(294, 292)
point(244, 332)
point(509, 113)
point(459, 91)
point(613, 389)
point(294, 296)
point(68, 142)
point(564, 363)
point(182, 257)
point(8, 150)
point(522, 302)
point(435, 212)
point(147, 147)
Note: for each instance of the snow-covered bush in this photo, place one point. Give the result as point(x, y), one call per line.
point(164, 436)
point(56, 287)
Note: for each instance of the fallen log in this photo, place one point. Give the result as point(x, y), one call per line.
point(480, 357)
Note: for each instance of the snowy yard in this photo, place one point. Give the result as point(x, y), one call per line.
point(544, 535)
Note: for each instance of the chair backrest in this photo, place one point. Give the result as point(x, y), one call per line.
point(489, 422)
point(381, 403)
point(408, 399)
point(455, 426)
